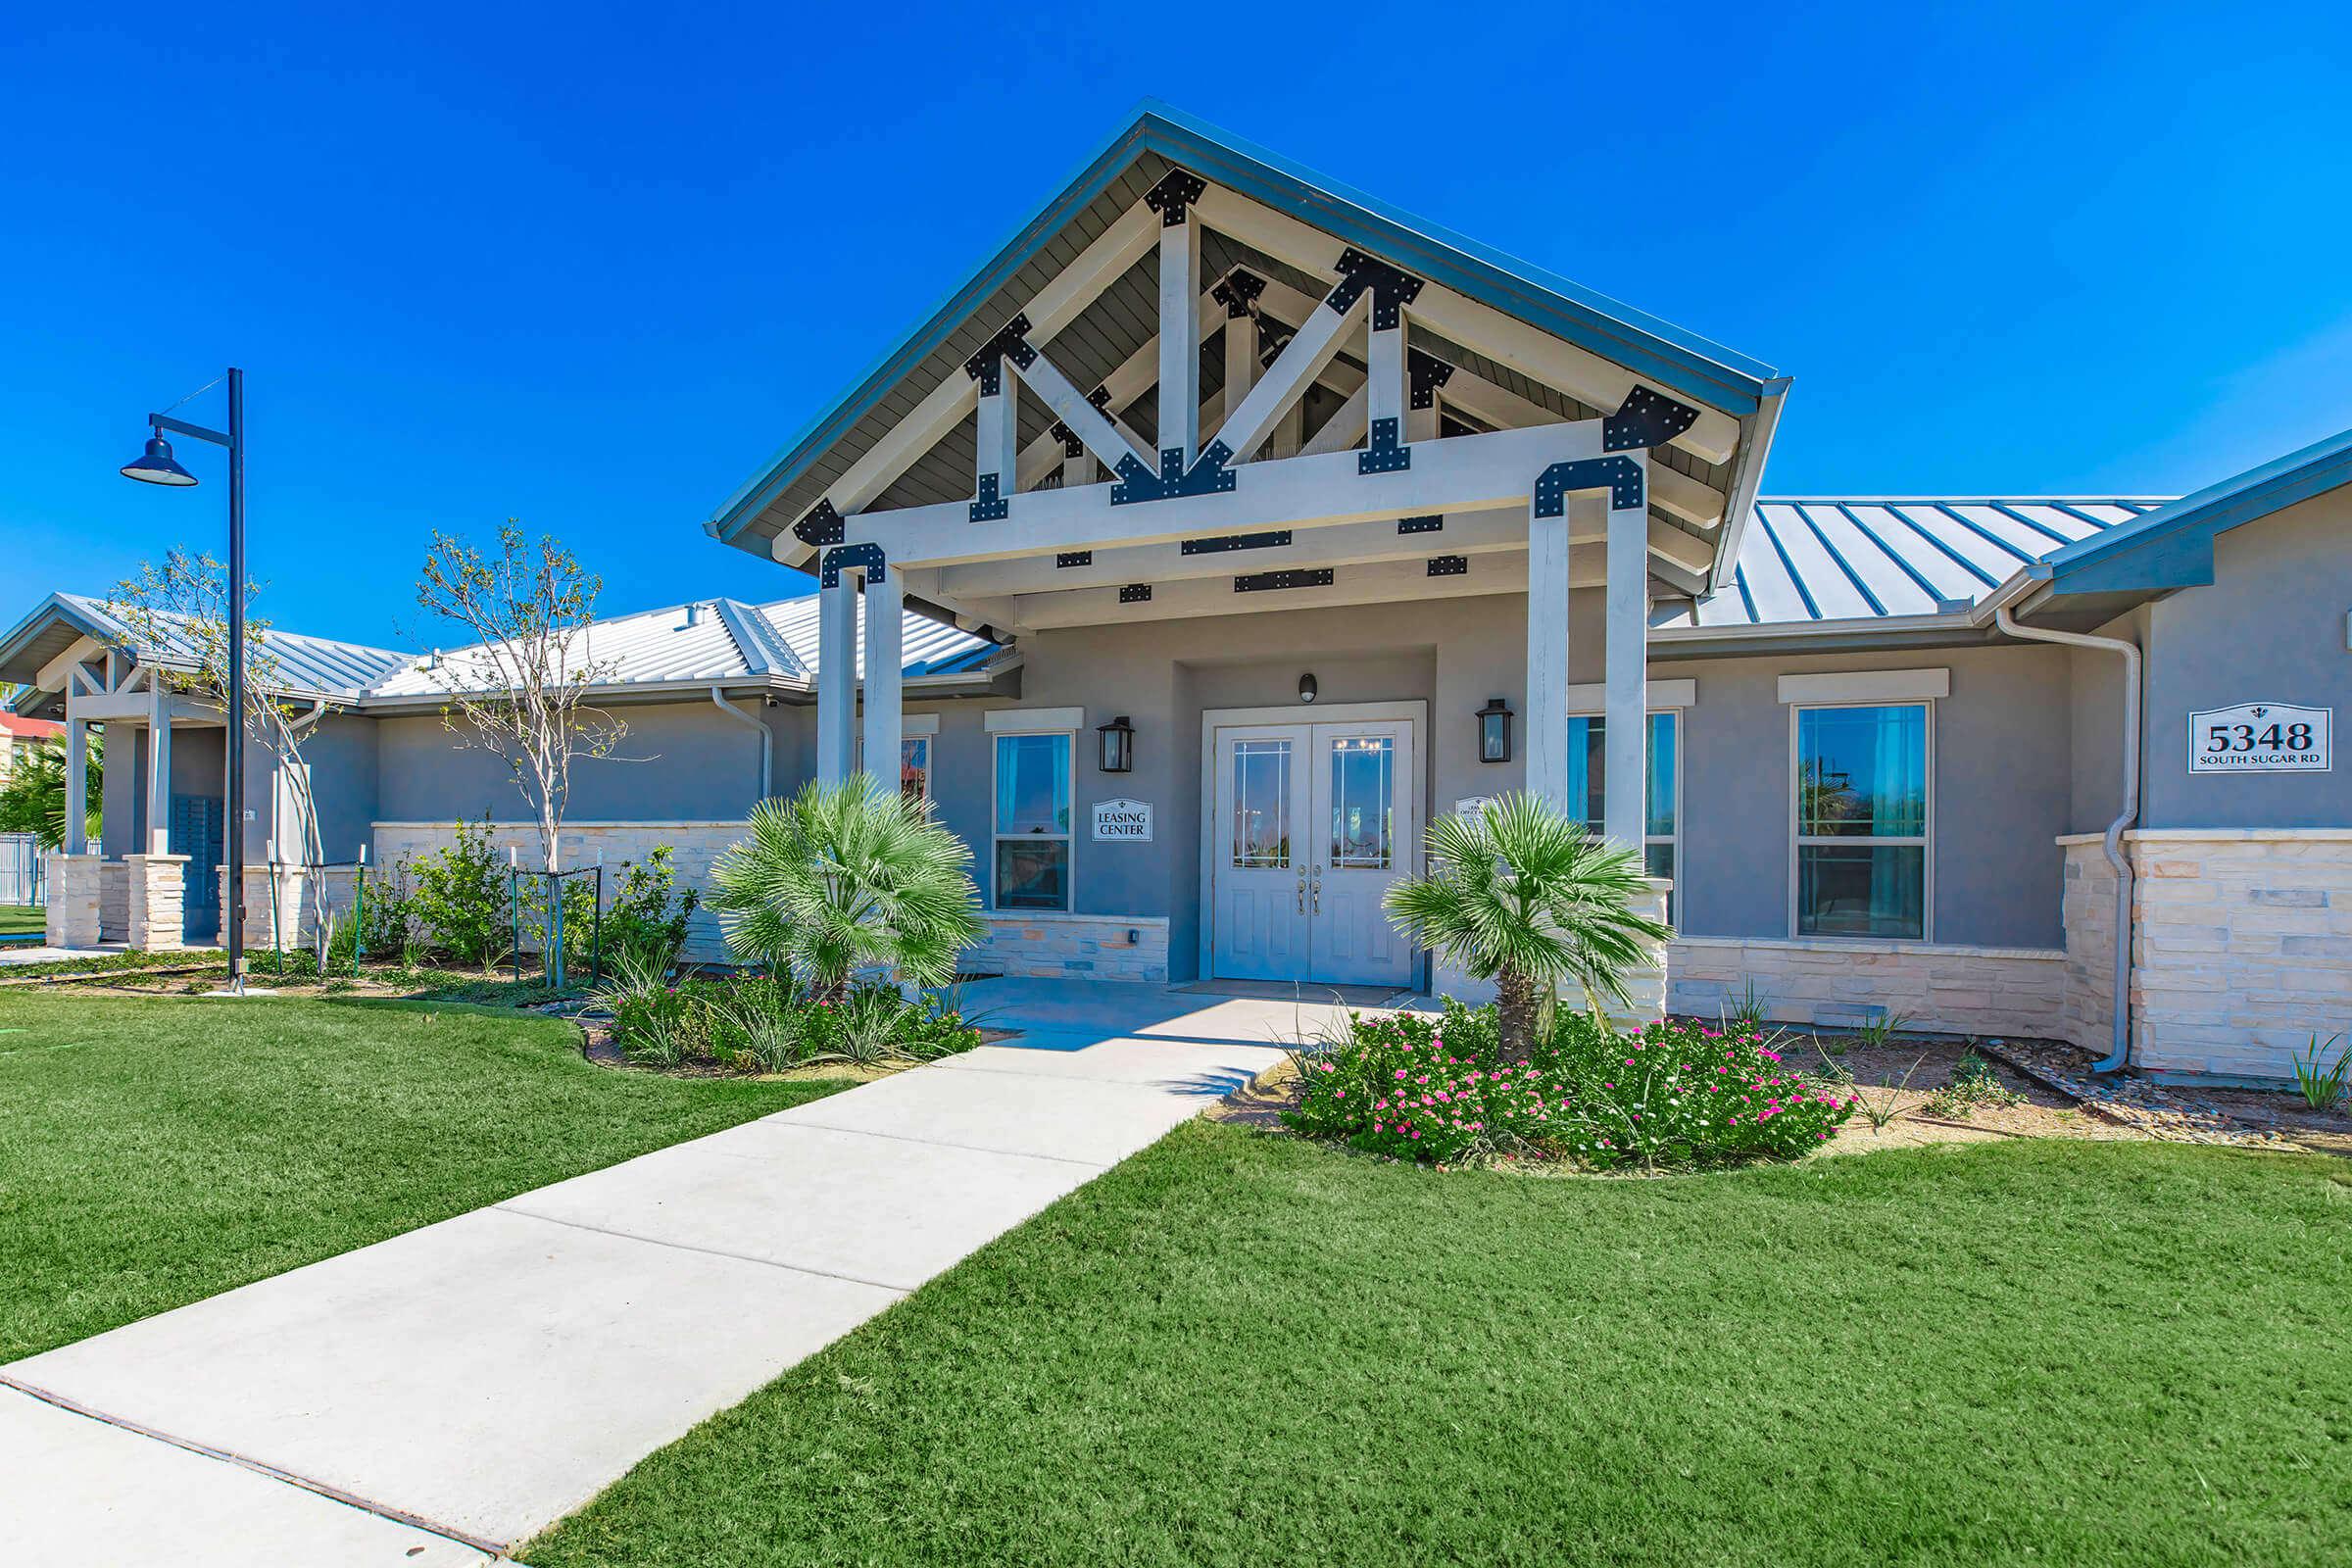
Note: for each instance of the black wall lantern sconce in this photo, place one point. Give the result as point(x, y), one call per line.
point(1117, 739)
point(1495, 732)
point(1306, 688)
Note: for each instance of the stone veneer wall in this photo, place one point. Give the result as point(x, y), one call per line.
point(1940, 988)
point(155, 901)
point(72, 919)
point(692, 846)
point(2241, 946)
point(1093, 947)
point(114, 900)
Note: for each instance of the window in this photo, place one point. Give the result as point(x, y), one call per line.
point(1588, 788)
point(1261, 806)
point(1033, 821)
point(1862, 821)
point(1363, 821)
point(914, 765)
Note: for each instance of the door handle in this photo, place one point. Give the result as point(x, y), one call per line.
point(1302, 894)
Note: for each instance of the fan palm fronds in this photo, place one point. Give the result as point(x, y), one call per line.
point(1520, 895)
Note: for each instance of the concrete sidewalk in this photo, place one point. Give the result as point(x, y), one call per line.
point(489, 1374)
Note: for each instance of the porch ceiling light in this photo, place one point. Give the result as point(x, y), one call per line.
point(1495, 732)
point(1117, 739)
point(156, 466)
point(1306, 688)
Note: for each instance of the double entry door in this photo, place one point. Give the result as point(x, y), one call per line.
point(1314, 823)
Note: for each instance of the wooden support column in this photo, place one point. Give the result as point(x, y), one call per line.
point(1547, 659)
point(77, 804)
point(1384, 379)
point(885, 662)
point(1624, 696)
point(997, 464)
point(836, 677)
point(1179, 332)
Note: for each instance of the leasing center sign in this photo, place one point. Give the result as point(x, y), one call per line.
point(2262, 738)
point(1123, 821)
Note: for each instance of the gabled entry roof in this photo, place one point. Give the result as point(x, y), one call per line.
point(1111, 183)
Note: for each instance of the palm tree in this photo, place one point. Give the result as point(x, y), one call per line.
point(33, 798)
point(1520, 895)
point(844, 877)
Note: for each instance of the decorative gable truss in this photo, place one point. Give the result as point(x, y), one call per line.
point(1064, 529)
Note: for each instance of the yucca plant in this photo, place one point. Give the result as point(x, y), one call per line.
point(2322, 1086)
point(845, 877)
point(1521, 894)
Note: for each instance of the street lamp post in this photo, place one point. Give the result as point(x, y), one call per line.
point(156, 466)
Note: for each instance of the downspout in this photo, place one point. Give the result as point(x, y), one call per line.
point(2118, 1057)
point(767, 738)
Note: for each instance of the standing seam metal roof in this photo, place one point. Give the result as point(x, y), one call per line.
point(1873, 558)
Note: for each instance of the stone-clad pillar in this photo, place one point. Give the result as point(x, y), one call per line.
point(157, 901)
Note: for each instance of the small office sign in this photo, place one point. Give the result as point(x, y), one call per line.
point(1123, 821)
point(2262, 738)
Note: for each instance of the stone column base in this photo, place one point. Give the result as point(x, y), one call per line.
point(155, 897)
point(73, 915)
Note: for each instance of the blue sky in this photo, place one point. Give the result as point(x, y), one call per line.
point(588, 267)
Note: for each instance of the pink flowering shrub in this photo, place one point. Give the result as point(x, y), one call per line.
point(1676, 1094)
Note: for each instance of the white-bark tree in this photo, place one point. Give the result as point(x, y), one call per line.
point(520, 691)
point(174, 618)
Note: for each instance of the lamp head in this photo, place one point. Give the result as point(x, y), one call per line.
point(156, 466)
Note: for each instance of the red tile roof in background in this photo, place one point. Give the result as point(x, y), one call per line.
point(30, 729)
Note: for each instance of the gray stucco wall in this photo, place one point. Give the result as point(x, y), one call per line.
point(2269, 627)
point(341, 753)
point(2003, 753)
point(681, 761)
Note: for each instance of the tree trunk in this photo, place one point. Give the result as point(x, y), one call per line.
point(1515, 1016)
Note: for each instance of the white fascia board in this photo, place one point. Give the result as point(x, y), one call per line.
point(1868, 686)
point(1033, 720)
point(1588, 698)
point(1466, 474)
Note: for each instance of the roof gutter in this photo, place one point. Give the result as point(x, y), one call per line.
point(767, 738)
point(2118, 1055)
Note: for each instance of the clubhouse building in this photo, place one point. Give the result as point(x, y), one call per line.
point(1229, 525)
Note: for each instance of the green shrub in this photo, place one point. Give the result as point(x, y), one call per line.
point(762, 1021)
point(1675, 1094)
point(846, 877)
point(647, 913)
point(460, 898)
point(1974, 1083)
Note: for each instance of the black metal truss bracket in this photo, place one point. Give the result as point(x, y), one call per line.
point(1271, 539)
point(1208, 475)
point(1393, 288)
point(867, 555)
point(1237, 291)
point(1136, 593)
point(1620, 476)
point(990, 505)
point(1450, 565)
point(1072, 446)
point(1073, 558)
point(1645, 418)
point(1298, 577)
point(987, 365)
point(1176, 191)
point(1424, 374)
point(1384, 453)
point(1429, 524)
point(822, 528)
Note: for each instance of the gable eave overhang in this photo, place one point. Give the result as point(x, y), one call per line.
point(2172, 548)
point(1653, 349)
point(52, 627)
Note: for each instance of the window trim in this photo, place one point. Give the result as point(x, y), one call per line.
point(996, 762)
point(1799, 841)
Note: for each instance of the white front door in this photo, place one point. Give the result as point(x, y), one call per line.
point(1313, 822)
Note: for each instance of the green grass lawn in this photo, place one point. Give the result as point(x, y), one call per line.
point(16, 919)
point(157, 1150)
point(1245, 1350)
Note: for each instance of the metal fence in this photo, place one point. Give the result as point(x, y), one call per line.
point(20, 871)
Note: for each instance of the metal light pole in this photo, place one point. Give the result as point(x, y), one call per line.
point(156, 466)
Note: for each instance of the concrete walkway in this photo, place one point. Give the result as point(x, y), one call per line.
point(483, 1377)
